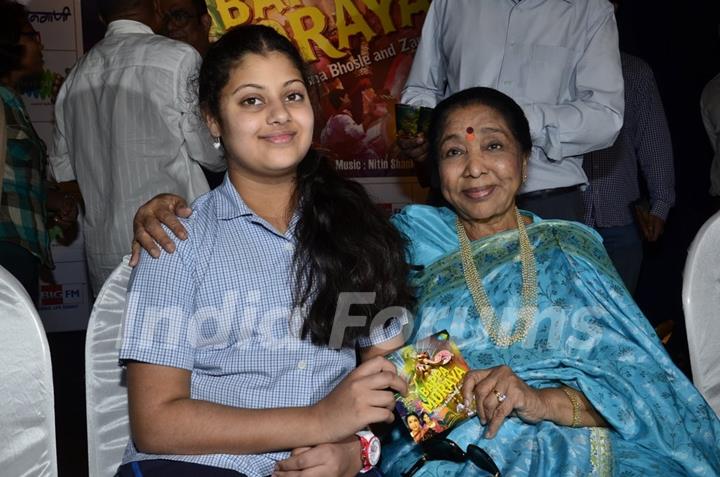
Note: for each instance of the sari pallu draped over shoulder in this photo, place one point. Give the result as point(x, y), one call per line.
point(588, 334)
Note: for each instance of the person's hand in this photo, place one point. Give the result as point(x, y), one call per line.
point(163, 209)
point(65, 209)
point(365, 396)
point(67, 213)
point(413, 147)
point(487, 386)
point(62, 206)
point(340, 459)
point(651, 225)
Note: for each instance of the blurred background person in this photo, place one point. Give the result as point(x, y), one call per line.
point(187, 21)
point(127, 128)
point(614, 205)
point(26, 197)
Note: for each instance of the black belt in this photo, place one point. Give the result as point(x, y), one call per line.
point(545, 193)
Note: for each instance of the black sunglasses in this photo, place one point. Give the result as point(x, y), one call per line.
point(442, 448)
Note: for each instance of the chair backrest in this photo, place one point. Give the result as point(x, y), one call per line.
point(27, 412)
point(105, 388)
point(701, 305)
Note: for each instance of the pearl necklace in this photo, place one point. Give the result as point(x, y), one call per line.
point(482, 303)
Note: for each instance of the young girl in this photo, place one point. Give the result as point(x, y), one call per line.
point(227, 340)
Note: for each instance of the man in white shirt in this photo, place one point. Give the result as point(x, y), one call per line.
point(559, 59)
point(127, 128)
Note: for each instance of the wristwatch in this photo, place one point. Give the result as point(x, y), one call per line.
point(370, 453)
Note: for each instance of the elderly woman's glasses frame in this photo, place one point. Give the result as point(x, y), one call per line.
point(442, 448)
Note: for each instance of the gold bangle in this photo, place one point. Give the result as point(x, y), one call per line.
point(572, 396)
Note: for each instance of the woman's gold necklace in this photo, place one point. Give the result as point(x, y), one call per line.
point(480, 298)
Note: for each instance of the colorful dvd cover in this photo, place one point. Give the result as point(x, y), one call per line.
point(424, 119)
point(434, 370)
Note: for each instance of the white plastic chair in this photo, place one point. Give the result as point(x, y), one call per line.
point(105, 388)
point(701, 305)
point(27, 412)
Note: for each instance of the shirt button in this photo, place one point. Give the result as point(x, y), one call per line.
point(302, 364)
point(289, 247)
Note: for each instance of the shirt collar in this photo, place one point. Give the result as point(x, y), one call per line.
point(229, 204)
point(120, 27)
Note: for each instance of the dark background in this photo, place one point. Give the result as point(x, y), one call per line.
point(680, 41)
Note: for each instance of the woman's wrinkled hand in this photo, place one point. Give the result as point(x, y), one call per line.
point(366, 396)
point(340, 459)
point(163, 209)
point(499, 392)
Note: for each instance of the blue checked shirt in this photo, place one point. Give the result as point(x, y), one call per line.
point(220, 307)
point(644, 140)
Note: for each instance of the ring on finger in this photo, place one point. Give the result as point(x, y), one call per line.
point(500, 396)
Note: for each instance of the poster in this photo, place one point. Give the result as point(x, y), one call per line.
point(360, 52)
point(65, 298)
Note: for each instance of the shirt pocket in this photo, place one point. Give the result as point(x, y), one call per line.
point(549, 73)
point(22, 151)
point(16, 133)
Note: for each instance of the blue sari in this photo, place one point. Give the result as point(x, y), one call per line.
point(588, 334)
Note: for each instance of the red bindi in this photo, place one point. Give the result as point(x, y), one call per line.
point(470, 134)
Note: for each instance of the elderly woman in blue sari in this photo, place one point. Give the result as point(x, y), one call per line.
point(568, 378)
